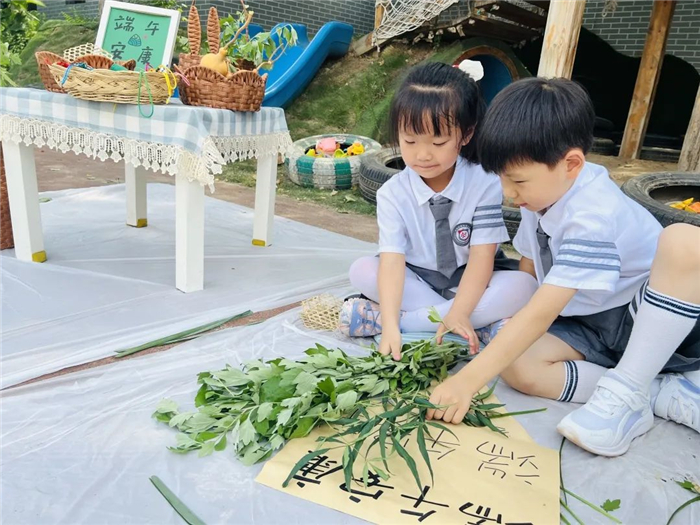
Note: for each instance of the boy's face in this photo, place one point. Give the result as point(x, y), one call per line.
point(536, 186)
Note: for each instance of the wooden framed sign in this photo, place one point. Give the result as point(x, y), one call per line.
point(146, 34)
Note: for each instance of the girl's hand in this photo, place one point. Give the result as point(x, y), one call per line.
point(460, 325)
point(390, 343)
point(455, 395)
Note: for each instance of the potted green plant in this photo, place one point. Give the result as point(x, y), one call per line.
point(261, 50)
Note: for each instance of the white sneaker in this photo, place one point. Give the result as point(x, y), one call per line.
point(679, 401)
point(616, 413)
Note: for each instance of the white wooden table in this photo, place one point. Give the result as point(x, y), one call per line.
point(187, 142)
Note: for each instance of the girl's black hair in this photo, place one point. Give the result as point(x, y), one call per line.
point(433, 97)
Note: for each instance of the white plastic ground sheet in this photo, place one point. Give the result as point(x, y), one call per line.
point(80, 448)
point(108, 287)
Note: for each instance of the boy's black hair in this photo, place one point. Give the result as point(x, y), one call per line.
point(535, 120)
point(441, 95)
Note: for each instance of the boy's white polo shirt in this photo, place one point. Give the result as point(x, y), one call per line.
point(407, 226)
point(602, 242)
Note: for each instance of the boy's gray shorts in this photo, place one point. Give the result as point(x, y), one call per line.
point(602, 337)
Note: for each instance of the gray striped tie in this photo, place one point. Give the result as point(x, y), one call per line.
point(545, 250)
point(444, 247)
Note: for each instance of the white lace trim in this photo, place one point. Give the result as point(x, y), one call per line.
point(170, 159)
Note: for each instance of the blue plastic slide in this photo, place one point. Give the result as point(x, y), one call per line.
point(299, 64)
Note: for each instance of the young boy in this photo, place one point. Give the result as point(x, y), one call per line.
point(619, 296)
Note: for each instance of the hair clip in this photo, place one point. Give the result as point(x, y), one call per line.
point(473, 68)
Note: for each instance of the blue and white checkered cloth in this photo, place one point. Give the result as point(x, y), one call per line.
point(194, 141)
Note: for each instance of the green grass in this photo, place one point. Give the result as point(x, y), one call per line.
point(343, 201)
point(344, 91)
point(55, 36)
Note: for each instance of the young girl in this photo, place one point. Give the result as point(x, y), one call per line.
point(440, 222)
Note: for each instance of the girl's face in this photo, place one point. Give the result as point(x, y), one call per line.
point(430, 156)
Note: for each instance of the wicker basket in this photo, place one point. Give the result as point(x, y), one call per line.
point(89, 48)
point(6, 239)
point(241, 91)
point(45, 58)
point(104, 85)
point(188, 60)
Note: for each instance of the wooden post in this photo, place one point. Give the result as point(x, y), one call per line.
point(378, 15)
point(647, 78)
point(690, 154)
point(561, 38)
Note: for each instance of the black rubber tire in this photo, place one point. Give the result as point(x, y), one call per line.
point(603, 124)
point(511, 216)
point(660, 154)
point(640, 189)
point(603, 146)
point(374, 171)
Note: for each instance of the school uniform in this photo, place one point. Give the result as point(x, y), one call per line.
point(598, 241)
point(408, 226)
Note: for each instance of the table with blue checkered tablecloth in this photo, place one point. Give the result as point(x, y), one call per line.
point(188, 142)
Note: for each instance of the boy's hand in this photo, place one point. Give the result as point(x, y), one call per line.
point(390, 343)
point(460, 325)
point(456, 397)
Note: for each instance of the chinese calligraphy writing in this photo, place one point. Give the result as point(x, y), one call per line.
point(146, 55)
point(117, 50)
point(500, 462)
point(120, 23)
point(153, 27)
point(418, 502)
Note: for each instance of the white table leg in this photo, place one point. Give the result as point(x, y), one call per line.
point(265, 188)
point(189, 235)
point(135, 178)
point(23, 193)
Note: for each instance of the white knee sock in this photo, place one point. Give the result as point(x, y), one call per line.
point(417, 294)
point(661, 325)
point(417, 320)
point(581, 379)
point(506, 293)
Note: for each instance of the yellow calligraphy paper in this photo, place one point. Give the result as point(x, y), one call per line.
point(480, 478)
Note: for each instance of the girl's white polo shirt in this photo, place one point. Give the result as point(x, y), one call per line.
point(407, 226)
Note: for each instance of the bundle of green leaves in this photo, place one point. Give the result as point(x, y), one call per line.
point(257, 408)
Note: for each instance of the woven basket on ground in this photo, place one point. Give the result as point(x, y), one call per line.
point(241, 91)
point(123, 87)
point(45, 58)
point(6, 239)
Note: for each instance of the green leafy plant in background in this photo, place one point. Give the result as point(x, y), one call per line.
point(263, 48)
point(7, 59)
point(17, 23)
